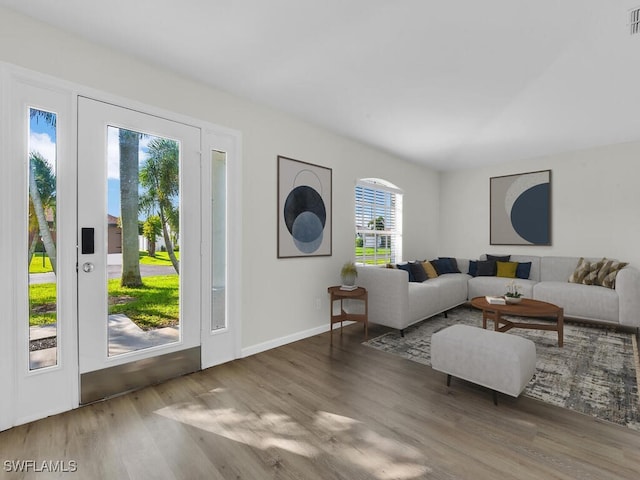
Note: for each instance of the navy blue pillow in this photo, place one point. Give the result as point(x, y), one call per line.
point(406, 268)
point(504, 258)
point(453, 264)
point(524, 270)
point(417, 270)
point(473, 268)
point(487, 268)
point(441, 266)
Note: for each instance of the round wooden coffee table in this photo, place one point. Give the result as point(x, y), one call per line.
point(526, 308)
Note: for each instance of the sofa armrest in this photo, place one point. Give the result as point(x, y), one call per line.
point(388, 295)
point(628, 288)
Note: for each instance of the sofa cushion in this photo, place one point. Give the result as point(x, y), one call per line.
point(429, 298)
point(524, 270)
point(473, 268)
point(443, 265)
point(453, 264)
point(452, 289)
point(497, 286)
point(558, 269)
point(594, 270)
point(506, 269)
point(499, 258)
point(582, 270)
point(417, 271)
point(609, 280)
point(463, 265)
point(406, 268)
point(429, 269)
point(534, 272)
point(580, 301)
point(486, 268)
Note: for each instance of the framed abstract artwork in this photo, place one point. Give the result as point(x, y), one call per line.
point(304, 209)
point(520, 209)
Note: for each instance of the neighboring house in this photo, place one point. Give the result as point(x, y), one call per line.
point(114, 235)
point(143, 243)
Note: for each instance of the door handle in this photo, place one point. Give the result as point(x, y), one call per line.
point(88, 245)
point(88, 267)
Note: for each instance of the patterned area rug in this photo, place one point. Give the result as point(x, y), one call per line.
point(594, 373)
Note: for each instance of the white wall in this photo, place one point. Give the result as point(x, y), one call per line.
point(595, 205)
point(278, 296)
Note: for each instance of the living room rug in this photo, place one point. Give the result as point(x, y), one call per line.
point(595, 373)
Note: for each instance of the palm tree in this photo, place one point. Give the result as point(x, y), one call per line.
point(129, 143)
point(42, 193)
point(151, 230)
point(160, 177)
point(48, 117)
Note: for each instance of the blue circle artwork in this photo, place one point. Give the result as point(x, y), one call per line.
point(529, 214)
point(305, 216)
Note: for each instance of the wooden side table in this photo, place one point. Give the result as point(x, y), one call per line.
point(359, 293)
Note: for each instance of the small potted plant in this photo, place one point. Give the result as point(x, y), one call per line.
point(513, 295)
point(348, 274)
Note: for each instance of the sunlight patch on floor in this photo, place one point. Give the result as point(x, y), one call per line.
point(344, 439)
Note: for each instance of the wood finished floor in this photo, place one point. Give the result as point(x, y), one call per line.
point(311, 411)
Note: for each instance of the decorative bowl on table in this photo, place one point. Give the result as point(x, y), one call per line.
point(512, 300)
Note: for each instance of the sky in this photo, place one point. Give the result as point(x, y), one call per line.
point(43, 138)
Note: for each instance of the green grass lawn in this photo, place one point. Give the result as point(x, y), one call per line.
point(161, 258)
point(154, 305)
point(36, 265)
point(382, 253)
point(43, 304)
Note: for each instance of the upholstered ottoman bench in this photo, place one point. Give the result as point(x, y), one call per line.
point(500, 361)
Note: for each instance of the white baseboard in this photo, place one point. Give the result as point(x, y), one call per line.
point(278, 342)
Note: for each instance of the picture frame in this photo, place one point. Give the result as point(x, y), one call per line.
point(520, 209)
point(304, 209)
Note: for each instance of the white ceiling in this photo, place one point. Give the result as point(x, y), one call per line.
point(448, 83)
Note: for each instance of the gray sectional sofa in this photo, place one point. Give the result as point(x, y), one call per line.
point(398, 303)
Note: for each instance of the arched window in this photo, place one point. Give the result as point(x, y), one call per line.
point(378, 216)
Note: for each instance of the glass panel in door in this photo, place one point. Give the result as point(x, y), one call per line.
point(143, 240)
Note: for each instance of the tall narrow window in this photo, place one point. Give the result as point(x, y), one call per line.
point(41, 262)
point(219, 239)
point(378, 218)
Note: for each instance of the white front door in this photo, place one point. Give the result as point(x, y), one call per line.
point(69, 326)
point(138, 191)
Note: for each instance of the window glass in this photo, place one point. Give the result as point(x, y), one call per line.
point(378, 219)
point(219, 239)
point(41, 234)
point(143, 240)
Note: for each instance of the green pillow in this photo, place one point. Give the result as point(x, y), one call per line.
point(507, 269)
